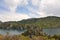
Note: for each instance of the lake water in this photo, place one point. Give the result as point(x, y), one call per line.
point(11, 32)
point(16, 32)
point(51, 31)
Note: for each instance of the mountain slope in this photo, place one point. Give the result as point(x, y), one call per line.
point(50, 21)
point(46, 22)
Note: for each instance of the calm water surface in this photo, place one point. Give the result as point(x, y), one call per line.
point(11, 32)
point(16, 32)
point(51, 31)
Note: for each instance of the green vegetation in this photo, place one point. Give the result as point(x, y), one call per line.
point(34, 28)
point(22, 37)
point(46, 22)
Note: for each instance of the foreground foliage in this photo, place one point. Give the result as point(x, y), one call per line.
point(22, 37)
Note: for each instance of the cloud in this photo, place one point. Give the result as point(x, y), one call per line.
point(12, 4)
point(42, 8)
point(28, 9)
point(46, 7)
point(8, 16)
point(50, 7)
point(35, 2)
point(12, 15)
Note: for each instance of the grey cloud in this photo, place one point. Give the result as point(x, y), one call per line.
point(48, 7)
point(53, 8)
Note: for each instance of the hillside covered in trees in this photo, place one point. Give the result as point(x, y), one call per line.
point(45, 22)
point(33, 26)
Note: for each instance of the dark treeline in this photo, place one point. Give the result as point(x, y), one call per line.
point(46, 22)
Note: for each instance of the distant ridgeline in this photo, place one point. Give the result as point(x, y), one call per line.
point(45, 22)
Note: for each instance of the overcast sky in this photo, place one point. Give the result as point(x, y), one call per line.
point(15, 10)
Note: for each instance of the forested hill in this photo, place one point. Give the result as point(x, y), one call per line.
point(45, 22)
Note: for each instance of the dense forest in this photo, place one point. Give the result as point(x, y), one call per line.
point(45, 22)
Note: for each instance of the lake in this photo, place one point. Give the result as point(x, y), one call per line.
point(51, 31)
point(16, 32)
point(11, 32)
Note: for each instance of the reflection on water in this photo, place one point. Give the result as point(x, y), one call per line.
point(51, 31)
point(11, 32)
point(16, 32)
